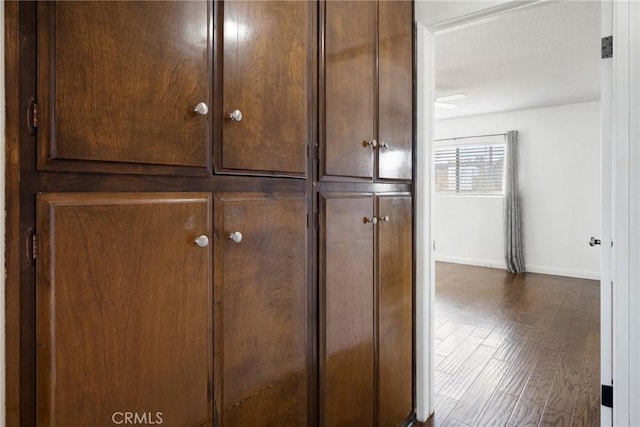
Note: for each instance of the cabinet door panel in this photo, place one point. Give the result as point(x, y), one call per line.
point(267, 76)
point(349, 59)
point(395, 307)
point(124, 309)
point(347, 311)
point(117, 86)
point(395, 89)
point(261, 319)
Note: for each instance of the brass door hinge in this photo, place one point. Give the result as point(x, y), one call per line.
point(33, 118)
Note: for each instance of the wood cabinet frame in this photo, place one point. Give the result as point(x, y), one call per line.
point(23, 182)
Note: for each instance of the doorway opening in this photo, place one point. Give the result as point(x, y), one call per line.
point(518, 348)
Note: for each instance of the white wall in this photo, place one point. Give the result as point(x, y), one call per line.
point(560, 188)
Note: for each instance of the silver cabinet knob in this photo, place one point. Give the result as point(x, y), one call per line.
point(371, 143)
point(384, 145)
point(236, 115)
point(385, 218)
point(236, 236)
point(201, 108)
point(202, 241)
point(373, 220)
point(593, 241)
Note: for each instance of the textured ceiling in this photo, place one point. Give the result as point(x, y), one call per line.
point(537, 57)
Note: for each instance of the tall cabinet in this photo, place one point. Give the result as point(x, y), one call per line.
point(216, 201)
point(366, 214)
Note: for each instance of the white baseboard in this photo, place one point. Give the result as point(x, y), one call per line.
point(553, 271)
point(579, 274)
point(471, 261)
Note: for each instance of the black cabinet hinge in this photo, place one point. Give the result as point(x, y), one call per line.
point(607, 47)
point(32, 249)
point(607, 396)
point(32, 116)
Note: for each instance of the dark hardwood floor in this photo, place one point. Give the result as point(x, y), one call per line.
point(516, 350)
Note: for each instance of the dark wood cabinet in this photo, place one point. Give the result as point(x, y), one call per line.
point(347, 317)
point(366, 105)
point(117, 87)
point(395, 302)
point(268, 67)
point(395, 83)
point(349, 97)
point(261, 319)
point(188, 264)
point(124, 314)
point(366, 304)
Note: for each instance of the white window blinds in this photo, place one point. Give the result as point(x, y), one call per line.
point(470, 166)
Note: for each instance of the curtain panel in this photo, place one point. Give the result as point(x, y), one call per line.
point(513, 245)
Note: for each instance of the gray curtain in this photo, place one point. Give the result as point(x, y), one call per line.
point(513, 253)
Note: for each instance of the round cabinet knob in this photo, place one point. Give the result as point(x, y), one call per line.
point(371, 143)
point(385, 218)
point(384, 145)
point(202, 241)
point(236, 115)
point(373, 220)
point(201, 108)
point(236, 236)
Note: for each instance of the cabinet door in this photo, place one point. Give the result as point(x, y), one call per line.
point(124, 309)
point(261, 317)
point(346, 298)
point(118, 83)
point(268, 72)
point(395, 308)
point(349, 101)
point(395, 47)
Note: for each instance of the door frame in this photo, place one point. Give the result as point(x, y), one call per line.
point(620, 304)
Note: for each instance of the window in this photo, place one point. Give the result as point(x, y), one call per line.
point(474, 166)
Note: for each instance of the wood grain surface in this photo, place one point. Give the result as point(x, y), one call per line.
point(261, 318)
point(124, 308)
point(395, 302)
point(517, 350)
point(267, 73)
point(349, 82)
point(121, 87)
point(395, 83)
point(347, 310)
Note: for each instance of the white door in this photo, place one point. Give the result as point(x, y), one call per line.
point(606, 169)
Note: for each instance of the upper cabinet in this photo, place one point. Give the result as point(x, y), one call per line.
point(157, 88)
point(349, 98)
point(395, 89)
point(267, 89)
point(124, 87)
point(366, 113)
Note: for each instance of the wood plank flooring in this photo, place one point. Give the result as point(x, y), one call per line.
point(515, 350)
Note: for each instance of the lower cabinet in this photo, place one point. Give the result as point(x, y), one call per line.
point(132, 329)
point(366, 306)
point(192, 309)
point(124, 312)
point(260, 322)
